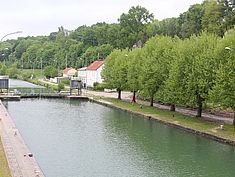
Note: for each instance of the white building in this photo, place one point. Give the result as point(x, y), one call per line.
point(82, 75)
point(92, 73)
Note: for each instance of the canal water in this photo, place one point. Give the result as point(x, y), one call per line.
point(85, 139)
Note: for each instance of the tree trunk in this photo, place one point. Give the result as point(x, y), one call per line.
point(199, 109)
point(119, 94)
point(151, 101)
point(172, 108)
point(134, 96)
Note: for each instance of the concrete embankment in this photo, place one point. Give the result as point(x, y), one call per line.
point(21, 161)
point(172, 124)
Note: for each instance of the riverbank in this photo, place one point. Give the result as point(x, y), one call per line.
point(212, 130)
point(20, 160)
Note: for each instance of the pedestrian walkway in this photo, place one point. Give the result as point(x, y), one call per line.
point(21, 161)
point(128, 96)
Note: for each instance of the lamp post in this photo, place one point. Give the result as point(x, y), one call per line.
point(41, 68)
point(10, 34)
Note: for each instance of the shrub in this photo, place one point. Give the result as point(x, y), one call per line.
point(99, 86)
point(60, 87)
point(65, 82)
point(12, 72)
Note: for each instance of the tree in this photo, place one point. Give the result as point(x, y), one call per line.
point(175, 84)
point(115, 70)
point(133, 25)
point(168, 27)
point(96, 53)
point(12, 72)
point(50, 71)
point(156, 57)
point(193, 72)
point(134, 68)
point(3, 69)
point(223, 92)
point(228, 11)
point(204, 65)
point(212, 19)
point(190, 21)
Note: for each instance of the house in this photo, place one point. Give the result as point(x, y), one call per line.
point(82, 75)
point(91, 73)
point(69, 72)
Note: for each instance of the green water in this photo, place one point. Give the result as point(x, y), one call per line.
point(84, 139)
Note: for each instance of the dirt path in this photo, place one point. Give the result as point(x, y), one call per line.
point(128, 96)
point(21, 162)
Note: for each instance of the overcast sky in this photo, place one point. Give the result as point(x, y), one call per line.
point(41, 17)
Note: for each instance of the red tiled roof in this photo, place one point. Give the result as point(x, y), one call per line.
point(66, 70)
point(95, 65)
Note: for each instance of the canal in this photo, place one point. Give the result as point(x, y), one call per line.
point(82, 138)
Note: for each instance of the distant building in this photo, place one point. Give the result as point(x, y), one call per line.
point(69, 72)
point(64, 31)
point(92, 73)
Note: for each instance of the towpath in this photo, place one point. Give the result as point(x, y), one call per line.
point(21, 161)
point(128, 96)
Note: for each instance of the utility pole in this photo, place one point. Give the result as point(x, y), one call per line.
point(66, 60)
point(41, 68)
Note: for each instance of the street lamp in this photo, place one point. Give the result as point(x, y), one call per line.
point(10, 34)
point(41, 68)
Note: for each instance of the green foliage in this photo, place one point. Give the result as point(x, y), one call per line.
point(115, 70)
point(12, 72)
point(223, 92)
point(95, 53)
point(26, 74)
point(134, 68)
point(133, 25)
point(211, 20)
point(99, 86)
point(88, 43)
point(3, 69)
point(60, 87)
point(156, 57)
point(65, 82)
point(190, 22)
point(50, 71)
point(193, 72)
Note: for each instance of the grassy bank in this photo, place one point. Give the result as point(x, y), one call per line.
point(175, 118)
point(4, 169)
